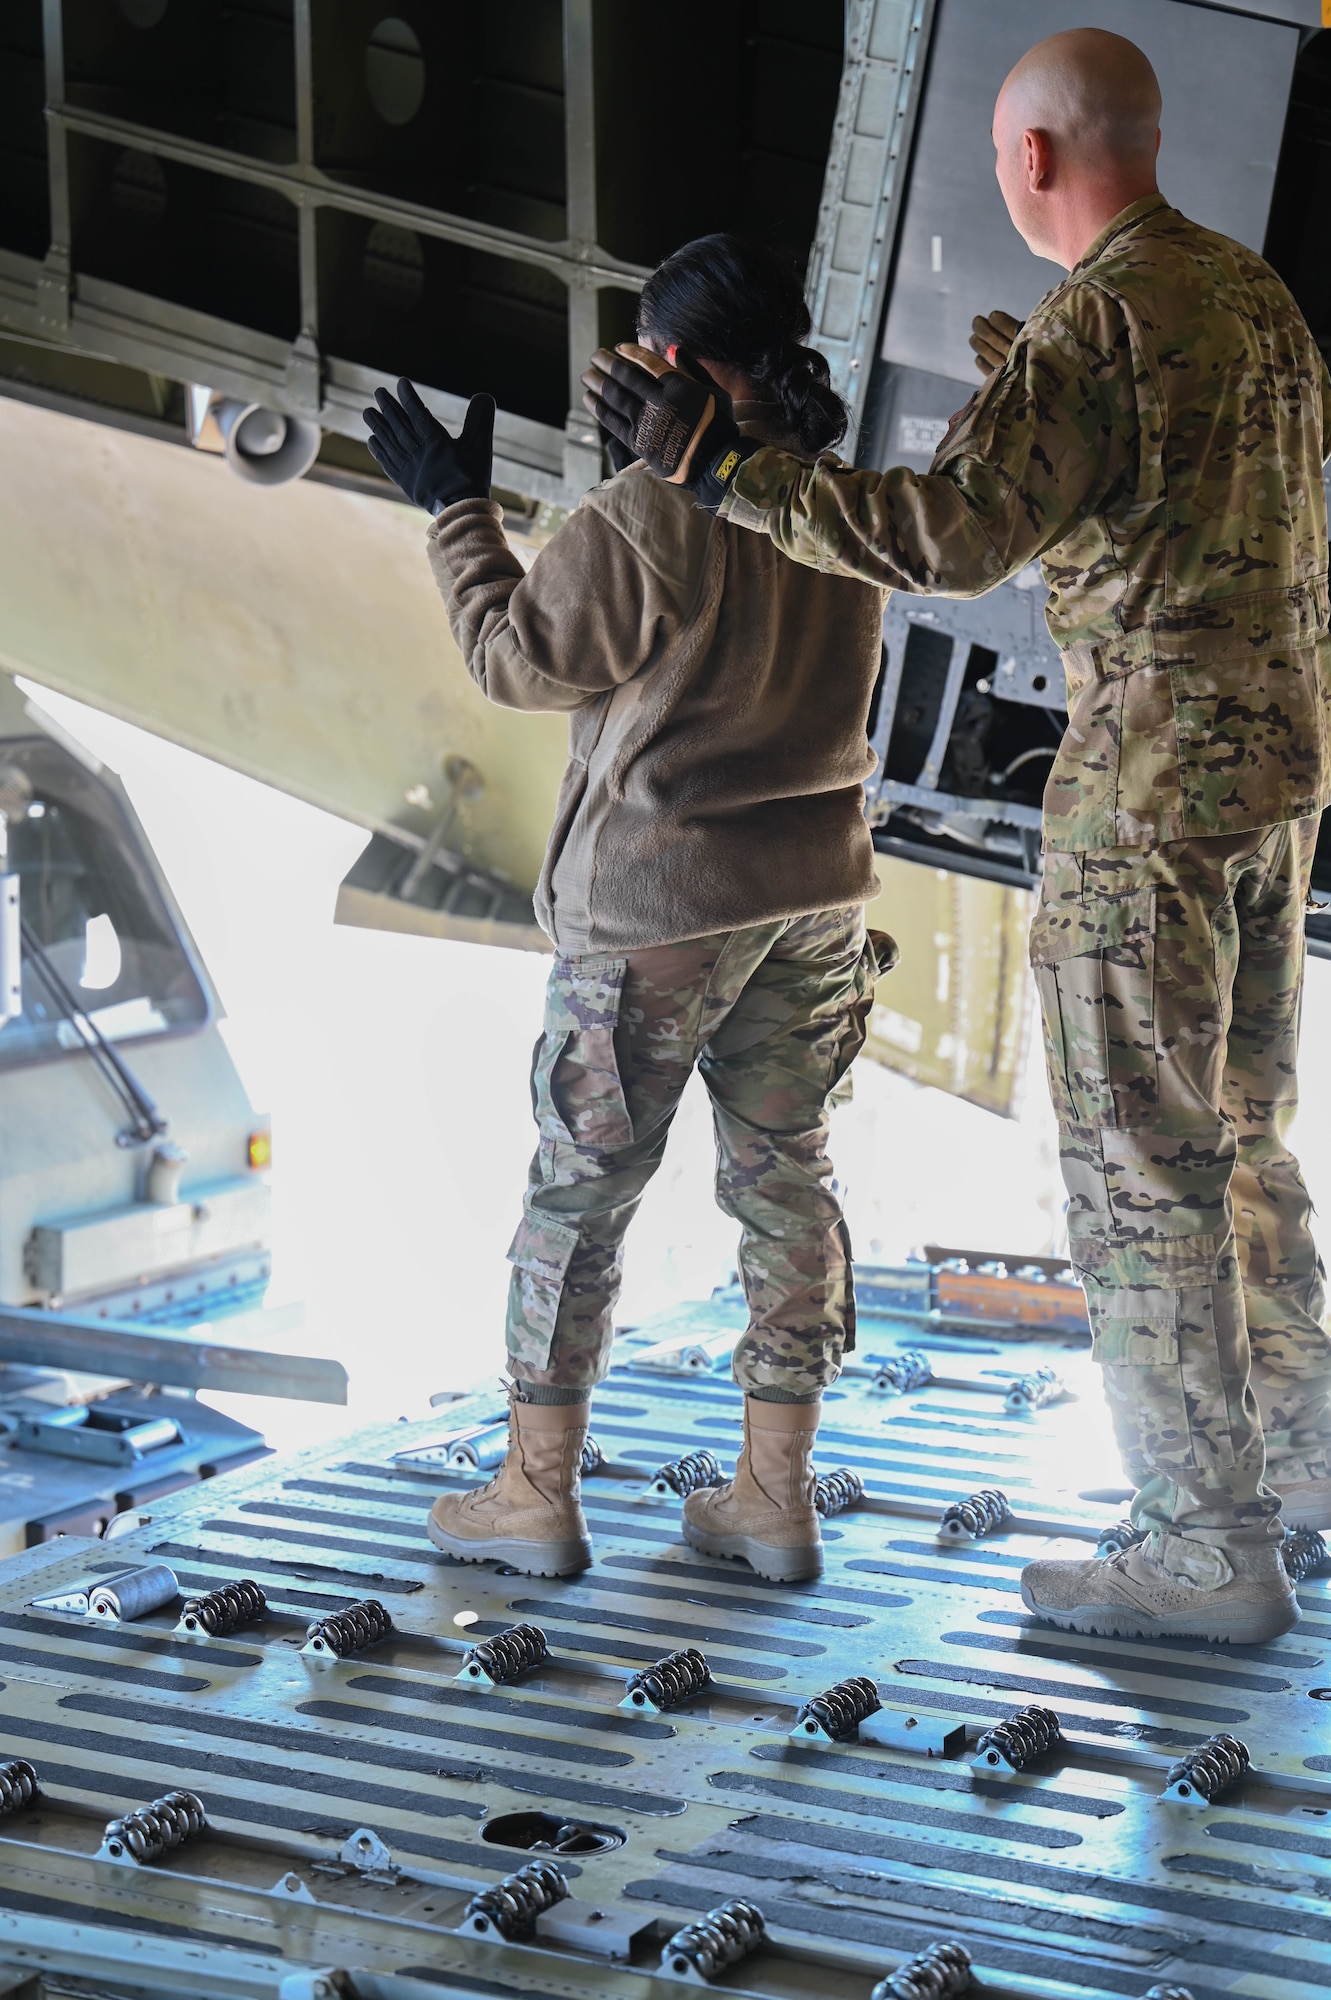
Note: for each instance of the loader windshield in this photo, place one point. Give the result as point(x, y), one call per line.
point(89, 896)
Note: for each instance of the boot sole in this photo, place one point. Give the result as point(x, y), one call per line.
point(1111, 1621)
point(531, 1558)
point(777, 1565)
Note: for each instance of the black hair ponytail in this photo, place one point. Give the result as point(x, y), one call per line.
point(798, 378)
point(722, 298)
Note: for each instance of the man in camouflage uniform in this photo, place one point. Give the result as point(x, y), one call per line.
point(1156, 436)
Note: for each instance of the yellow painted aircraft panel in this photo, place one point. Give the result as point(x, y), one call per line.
point(293, 632)
point(955, 1012)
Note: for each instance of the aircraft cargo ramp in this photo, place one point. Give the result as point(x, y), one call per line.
point(356, 1796)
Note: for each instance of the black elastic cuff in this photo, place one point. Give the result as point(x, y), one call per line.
point(439, 506)
point(722, 462)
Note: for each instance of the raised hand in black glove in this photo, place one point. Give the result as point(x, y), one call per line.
point(684, 429)
point(425, 461)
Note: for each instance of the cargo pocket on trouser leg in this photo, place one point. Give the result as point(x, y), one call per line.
point(854, 1024)
point(886, 952)
point(1160, 1350)
point(540, 1253)
point(577, 1090)
point(1144, 1386)
point(849, 1313)
point(879, 955)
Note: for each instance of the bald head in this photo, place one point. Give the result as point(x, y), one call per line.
point(1076, 130)
point(1094, 93)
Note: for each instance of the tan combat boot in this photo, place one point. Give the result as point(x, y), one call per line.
point(765, 1514)
point(530, 1514)
point(1135, 1596)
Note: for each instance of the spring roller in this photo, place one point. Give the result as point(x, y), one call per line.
point(223, 1610)
point(670, 1681)
point(593, 1459)
point(681, 1476)
point(1204, 1773)
point(837, 1712)
point(1014, 1744)
point(938, 1973)
point(1032, 1392)
point(508, 1909)
point(901, 1373)
point(18, 1784)
point(1305, 1553)
point(504, 1658)
point(720, 1939)
point(834, 1492)
point(341, 1632)
point(481, 1450)
point(978, 1514)
point(154, 1829)
point(1121, 1537)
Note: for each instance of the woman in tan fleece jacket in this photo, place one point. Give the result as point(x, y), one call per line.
point(704, 888)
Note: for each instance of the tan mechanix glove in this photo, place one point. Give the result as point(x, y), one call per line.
point(992, 335)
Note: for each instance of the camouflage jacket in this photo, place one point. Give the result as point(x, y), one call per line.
point(1156, 438)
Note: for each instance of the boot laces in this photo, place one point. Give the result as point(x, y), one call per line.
point(513, 1390)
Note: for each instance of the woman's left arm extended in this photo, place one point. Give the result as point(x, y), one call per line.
point(588, 615)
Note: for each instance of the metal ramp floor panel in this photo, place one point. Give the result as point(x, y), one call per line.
point(1071, 1877)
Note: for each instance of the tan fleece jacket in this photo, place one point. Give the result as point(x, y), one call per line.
point(718, 699)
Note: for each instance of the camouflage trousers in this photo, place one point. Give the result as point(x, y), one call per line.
point(1170, 985)
point(772, 1016)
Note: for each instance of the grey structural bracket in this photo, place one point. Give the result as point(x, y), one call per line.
point(168, 1355)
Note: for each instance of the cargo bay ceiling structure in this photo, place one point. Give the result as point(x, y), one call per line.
point(290, 204)
point(295, 203)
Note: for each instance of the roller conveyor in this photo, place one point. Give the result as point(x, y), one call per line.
point(359, 1804)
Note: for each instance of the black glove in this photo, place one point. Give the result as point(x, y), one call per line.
point(684, 429)
point(422, 459)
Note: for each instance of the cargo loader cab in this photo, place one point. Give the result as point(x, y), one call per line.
point(133, 1169)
